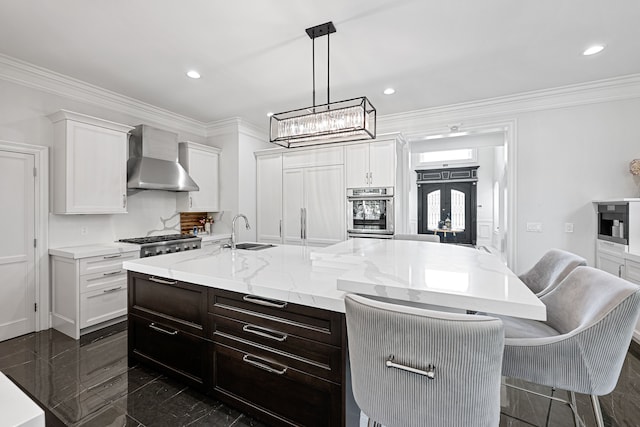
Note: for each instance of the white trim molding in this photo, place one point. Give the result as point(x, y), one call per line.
point(41, 231)
point(25, 74)
point(613, 89)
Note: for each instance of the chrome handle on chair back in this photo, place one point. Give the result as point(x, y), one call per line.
point(430, 373)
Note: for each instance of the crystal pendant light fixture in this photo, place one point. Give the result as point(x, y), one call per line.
point(340, 121)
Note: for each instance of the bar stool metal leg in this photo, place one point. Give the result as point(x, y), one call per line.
point(597, 411)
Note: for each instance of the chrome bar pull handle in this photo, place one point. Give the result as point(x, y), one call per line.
point(163, 281)
point(106, 291)
point(190, 201)
point(113, 273)
point(112, 256)
point(264, 332)
point(264, 301)
point(430, 373)
point(280, 229)
point(262, 364)
point(164, 331)
point(124, 200)
point(302, 223)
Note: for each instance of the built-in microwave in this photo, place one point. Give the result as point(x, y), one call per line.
point(370, 212)
point(613, 222)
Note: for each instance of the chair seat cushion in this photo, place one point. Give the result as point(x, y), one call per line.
point(526, 328)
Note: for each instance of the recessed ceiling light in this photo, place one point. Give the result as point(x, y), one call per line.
point(389, 91)
point(193, 74)
point(592, 50)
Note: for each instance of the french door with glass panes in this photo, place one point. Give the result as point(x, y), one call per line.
point(448, 209)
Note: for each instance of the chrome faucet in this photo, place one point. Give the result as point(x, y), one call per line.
point(233, 228)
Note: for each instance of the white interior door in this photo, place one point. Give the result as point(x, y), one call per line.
point(17, 252)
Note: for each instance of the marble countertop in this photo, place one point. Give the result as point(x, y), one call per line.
point(431, 273)
point(208, 237)
point(282, 272)
point(17, 408)
point(417, 272)
point(97, 249)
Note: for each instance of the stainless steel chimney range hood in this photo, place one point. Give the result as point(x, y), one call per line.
point(153, 161)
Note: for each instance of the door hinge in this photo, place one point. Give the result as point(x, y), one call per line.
point(35, 172)
point(35, 243)
point(35, 306)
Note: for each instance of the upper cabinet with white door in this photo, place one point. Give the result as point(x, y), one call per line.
point(371, 164)
point(202, 164)
point(89, 165)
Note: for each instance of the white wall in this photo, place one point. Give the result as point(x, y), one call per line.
point(238, 142)
point(23, 119)
point(565, 158)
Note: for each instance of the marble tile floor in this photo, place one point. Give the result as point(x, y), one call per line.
point(88, 383)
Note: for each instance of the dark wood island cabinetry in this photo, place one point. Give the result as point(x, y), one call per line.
point(284, 363)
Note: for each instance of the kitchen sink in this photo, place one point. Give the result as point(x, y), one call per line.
point(254, 246)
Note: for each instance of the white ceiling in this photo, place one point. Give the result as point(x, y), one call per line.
point(255, 57)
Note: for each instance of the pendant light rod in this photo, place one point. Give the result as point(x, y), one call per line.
point(313, 33)
point(328, 57)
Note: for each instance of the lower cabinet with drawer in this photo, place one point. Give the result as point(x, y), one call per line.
point(88, 293)
point(283, 363)
point(168, 327)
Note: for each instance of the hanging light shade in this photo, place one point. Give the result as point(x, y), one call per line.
point(340, 121)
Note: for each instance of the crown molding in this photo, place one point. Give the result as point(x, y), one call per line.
point(613, 89)
point(235, 124)
point(26, 74)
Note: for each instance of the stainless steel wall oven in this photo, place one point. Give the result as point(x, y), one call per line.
point(370, 212)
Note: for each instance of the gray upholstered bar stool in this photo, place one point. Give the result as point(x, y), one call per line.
point(413, 367)
point(550, 270)
point(419, 237)
point(591, 316)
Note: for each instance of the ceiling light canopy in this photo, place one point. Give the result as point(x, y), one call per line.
point(389, 91)
point(340, 121)
point(592, 50)
point(193, 74)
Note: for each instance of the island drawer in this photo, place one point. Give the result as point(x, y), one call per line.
point(278, 393)
point(169, 350)
point(180, 305)
point(293, 319)
point(320, 360)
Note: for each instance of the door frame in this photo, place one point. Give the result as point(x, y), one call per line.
point(508, 129)
point(41, 225)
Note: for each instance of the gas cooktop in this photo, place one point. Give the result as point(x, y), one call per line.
point(158, 239)
point(166, 244)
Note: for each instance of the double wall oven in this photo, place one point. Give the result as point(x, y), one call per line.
point(370, 212)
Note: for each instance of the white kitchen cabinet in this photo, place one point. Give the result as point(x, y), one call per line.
point(610, 257)
point(202, 164)
point(89, 165)
point(269, 198)
point(632, 274)
point(313, 205)
point(371, 164)
point(89, 292)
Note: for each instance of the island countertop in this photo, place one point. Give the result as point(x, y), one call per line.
point(282, 272)
point(417, 272)
point(431, 273)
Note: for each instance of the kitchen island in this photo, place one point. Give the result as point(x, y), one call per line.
point(264, 330)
